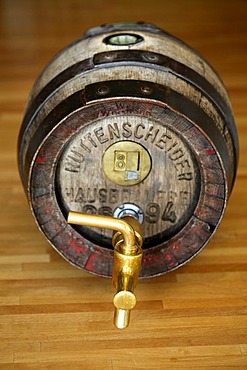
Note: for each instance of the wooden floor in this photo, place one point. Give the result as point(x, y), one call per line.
point(54, 316)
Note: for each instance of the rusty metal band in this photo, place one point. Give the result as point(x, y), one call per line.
point(129, 57)
point(162, 258)
point(121, 89)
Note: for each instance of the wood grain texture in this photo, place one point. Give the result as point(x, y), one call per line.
point(54, 316)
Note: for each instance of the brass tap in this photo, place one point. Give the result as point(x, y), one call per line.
point(127, 244)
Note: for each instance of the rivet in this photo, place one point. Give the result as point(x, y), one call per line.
point(147, 90)
point(103, 90)
point(151, 57)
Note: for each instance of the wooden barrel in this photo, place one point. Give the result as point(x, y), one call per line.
point(129, 120)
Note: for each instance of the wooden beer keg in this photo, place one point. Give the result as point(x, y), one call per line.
point(128, 120)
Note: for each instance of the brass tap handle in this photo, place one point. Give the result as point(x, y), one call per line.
point(127, 243)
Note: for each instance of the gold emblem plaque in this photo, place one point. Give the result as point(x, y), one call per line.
point(126, 163)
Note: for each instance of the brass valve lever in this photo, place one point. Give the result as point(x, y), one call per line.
point(127, 243)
